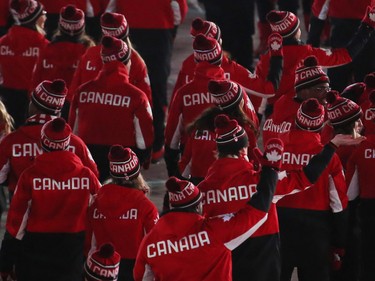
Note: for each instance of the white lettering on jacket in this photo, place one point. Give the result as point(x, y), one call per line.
point(284, 127)
point(296, 159)
point(203, 135)
point(105, 98)
point(52, 184)
point(369, 153)
point(186, 243)
point(131, 214)
point(30, 52)
point(197, 99)
point(31, 149)
point(234, 193)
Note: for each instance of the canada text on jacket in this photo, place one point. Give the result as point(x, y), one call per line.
point(74, 183)
point(105, 98)
point(197, 99)
point(234, 193)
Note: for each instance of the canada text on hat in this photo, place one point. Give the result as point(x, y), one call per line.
point(123, 163)
point(26, 11)
point(115, 49)
point(282, 22)
point(207, 28)
point(207, 49)
point(103, 264)
point(227, 94)
point(341, 111)
point(49, 96)
point(55, 135)
point(182, 194)
point(230, 137)
point(310, 115)
point(114, 25)
point(72, 20)
point(309, 74)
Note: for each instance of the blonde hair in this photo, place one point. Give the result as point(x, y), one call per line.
point(6, 120)
point(137, 183)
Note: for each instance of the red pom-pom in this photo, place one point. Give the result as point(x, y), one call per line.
point(222, 121)
point(197, 24)
point(107, 41)
point(372, 97)
point(370, 80)
point(173, 184)
point(332, 96)
point(106, 250)
point(58, 86)
point(310, 61)
point(311, 105)
point(117, 152)
point(58, 125)
point(69, 12)
point(273, 16)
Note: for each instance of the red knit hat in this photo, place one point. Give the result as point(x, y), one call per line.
point(207, 49)
point(230, 137)
point(182, 194)
point(103, 264)
point(207, 28)
point(26, 11)
point(354, 91)
point(310, 115)
point(49, 96)
point(115, 49)
point(309, 74)
point(227, 94)
point(123, 163)
point(114, 25)
point(72, 20)
point(55, 135)
point(283, 22)
point(341, 111)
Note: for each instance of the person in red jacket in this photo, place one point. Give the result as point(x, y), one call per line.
point(231, 181)
point(54, 62)
point(310, 82)
point(109, 110)
point(112, 24)
point(121, 213)
point(255, 87)
point(47, 216)
point(103, 264)
point(153, 27)
point(313, 223)
point(20, 49)
point(19, 149)
point(200, 148)
point(287, 25)
point(359, 170)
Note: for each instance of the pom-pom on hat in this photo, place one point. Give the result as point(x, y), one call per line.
point(55, 135)
point(227, 94)
point(103, 264)
point(309, 74)
point(72, 20)
point(354, 91)
point(123, 163)
point(49, 96)
point(26, 11)
point(310, 115)
point(341, 111)
point(207, 28)
point(230, 137)
point(114, 25)
point(115, 49)
point(182, 194)
point(207, 49)
point(283, 22)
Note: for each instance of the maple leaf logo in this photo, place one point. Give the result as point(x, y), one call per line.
point(227, 217)
point(273, 156)
point(275, 46)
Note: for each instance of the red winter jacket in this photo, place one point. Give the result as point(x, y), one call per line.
point(349, 9)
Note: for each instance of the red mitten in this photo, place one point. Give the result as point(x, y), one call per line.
point(337, 255)
point(273, 152)
point(275, 44)
point(369, 17)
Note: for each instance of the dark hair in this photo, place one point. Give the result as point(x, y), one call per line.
point(206, 120)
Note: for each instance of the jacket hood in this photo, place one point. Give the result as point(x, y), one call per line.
point(18, 35)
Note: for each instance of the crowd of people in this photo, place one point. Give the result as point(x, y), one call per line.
point(269, 151)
